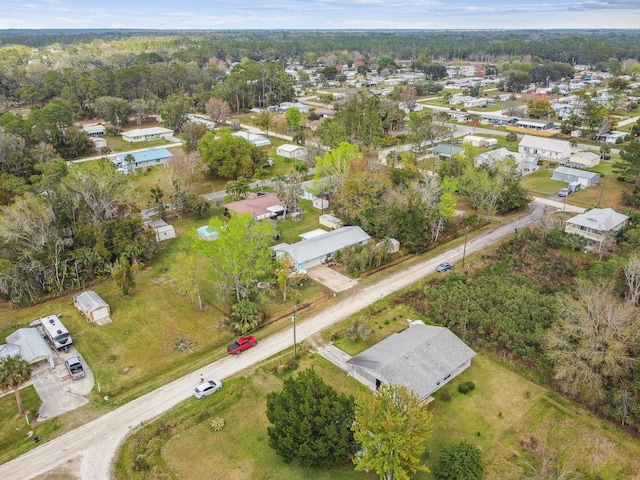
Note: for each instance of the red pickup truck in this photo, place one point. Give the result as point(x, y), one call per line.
point(242, 344)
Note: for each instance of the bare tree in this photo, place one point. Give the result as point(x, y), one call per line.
point(632, 276)
point(591, 344)
point(549, 221)
point(218, 110)
point(409, 97)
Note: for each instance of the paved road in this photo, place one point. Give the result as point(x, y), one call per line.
point(91, 448)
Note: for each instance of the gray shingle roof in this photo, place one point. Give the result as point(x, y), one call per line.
point(32, 346)
point(330, 242)
point(543, 143)
point(602, 219)
point(419, 357)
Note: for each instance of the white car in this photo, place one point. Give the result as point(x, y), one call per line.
point(207, 388)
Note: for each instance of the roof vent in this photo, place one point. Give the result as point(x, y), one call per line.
point(52, 321)
point(59, 332)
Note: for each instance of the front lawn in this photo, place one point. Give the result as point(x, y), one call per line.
point(503, 413)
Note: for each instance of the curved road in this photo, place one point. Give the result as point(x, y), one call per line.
point(90, 449)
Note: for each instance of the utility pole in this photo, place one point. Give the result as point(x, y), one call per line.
point(464, 249)
point(293, 319)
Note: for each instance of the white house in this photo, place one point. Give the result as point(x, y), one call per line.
point(423, 358)
point(147, 134)
point(318, 249)
point(545, 148)
point(92, 306)
point(258, 140)
point(479, 142)
point(584, 160)
point(162, 229)
point(596, 224)
point(94, 130)
point(535, 124)
point(291, 151)
point(30, 345)
point(570, 175)
point(144, 158)
point(526, 163)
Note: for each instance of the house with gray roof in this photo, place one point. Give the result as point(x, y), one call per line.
point(526, 163)
point(545, 148)
point(597, 224)
point(423, 358)
point(320, 248)
point(446, 150)
point(570, 175)
point(33, 347)
point(258, 140)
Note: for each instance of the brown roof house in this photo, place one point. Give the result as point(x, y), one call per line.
point(262, 206)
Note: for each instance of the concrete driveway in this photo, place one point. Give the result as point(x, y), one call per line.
point(331, 279)
point(60, 394)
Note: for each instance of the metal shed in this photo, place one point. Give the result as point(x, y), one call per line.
point(93, 307)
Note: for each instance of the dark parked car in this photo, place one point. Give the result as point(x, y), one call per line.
point(443, 267)
point(605, 157)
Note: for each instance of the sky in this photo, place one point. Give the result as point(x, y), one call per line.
point(320, 14)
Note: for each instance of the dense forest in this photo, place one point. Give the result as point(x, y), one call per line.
point(570, 46)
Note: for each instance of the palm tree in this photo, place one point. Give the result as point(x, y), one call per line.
point(14, 371)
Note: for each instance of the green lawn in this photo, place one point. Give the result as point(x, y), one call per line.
point(501, 412)
point(608, 193)
point(14, 428)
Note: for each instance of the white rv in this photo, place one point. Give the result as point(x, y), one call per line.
point(56, 332)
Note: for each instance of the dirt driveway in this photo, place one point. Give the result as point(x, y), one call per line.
point(331, 279)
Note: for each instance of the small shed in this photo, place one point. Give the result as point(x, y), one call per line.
point(163, 230)
point(291, 151)
point(330, 221)
point(93, 307)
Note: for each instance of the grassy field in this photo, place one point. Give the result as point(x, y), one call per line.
point(502, 414)
point(608, 193)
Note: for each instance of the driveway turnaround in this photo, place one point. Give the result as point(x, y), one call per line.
point(90, 449)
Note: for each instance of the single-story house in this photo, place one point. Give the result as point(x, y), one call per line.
point(98, 142)
point(162, 229)
point(446, 150)
point(261, 207)
point(535, 124)
point(479, 142)
point(32, 345)
point(289, 150)
point(206, 121)
point(317, 250)
point(146, 134)
point(569, 175)
point(94, 130)
point(284, 106)
point(329, 221)
point(325, 112)
point(92, 306)
point(258, 140)
point(498, 120)
point(596, 224)
point(145, 158)
point(526, 163)
point(545, 148)
point(614, 136)
point(583, 160)
point(423, 358)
